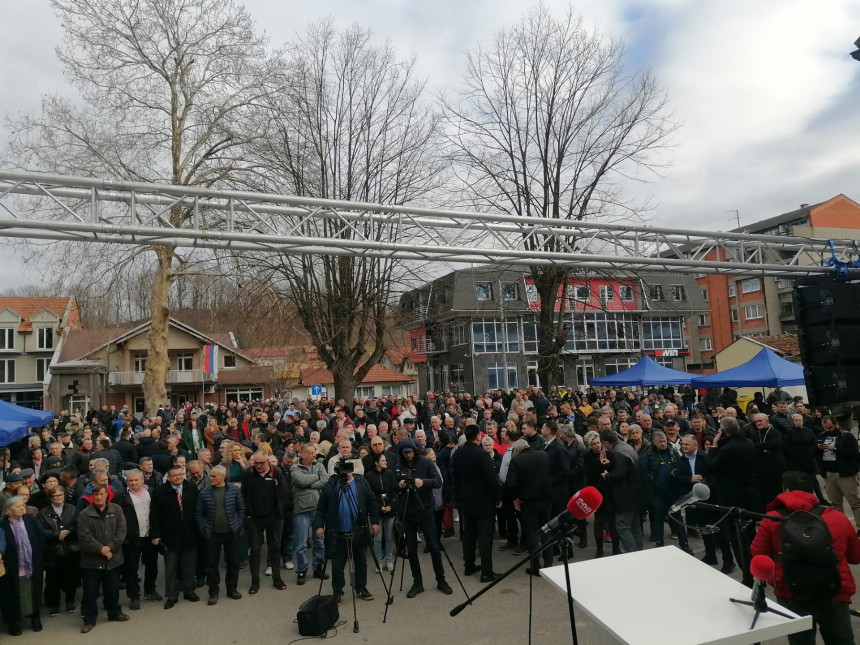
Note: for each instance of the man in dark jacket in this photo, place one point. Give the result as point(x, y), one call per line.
point(530, 484)
point(417, 477)
point(576, 475)
point(623, 478)
point(220, 518)
point(266, 497)
point(477, 493)
point(840, 465)
point(693, 469)
point(770, 464)
point(101, 532)
point(346, 503)
point(559, 469)
point(172, 529)
point(136, 505)
point(125, 448)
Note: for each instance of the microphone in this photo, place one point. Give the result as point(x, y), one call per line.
point(582, 505)
point(700, 493)
point(761, 568)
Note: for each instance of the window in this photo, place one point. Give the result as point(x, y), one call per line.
point(458, 334)
point(488, 336)
point(82, 403)
point(139, 404)
point(735, 316)
point(7, 338)
point(45, 338)
point(751, 285)
point(606, 293)
point(705, 294)
point(754, 312)
point(246, 394)
point(784, 283)
point(655, 292)
point(705, 344)
point(7, 370)
point(679, 293)
point(733, 290)
point(510, 291)
point(42, 369)
point(531, 293)
point(513, 336)
point(458, 374)
point(704, 320)
point(364, 391)
point(615, 365)
point(391, 390)
point(139, 362)
point(530, 339)
point(229, 360)
point(185, 362)
point(601, 331)
point(625, 292)
point(662, 333)
point(495, 376)
point(484, 290)
point(579, 293)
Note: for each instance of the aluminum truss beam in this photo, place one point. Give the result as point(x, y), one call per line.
point(84, 209)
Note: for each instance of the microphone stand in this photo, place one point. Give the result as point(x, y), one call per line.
point(759, 603)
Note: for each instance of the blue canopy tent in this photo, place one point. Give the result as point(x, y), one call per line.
point(765, 369)
point(645, 372)
point(16, 421)
point(12, 431)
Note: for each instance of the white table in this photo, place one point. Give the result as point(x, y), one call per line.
point(668, 597)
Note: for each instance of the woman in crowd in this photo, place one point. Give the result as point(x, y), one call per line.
point(21, 587)
point(384, 486)
point(62, 557)
point(604, 517)
point(635, 439)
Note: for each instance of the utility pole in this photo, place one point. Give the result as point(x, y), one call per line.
point(504, 335)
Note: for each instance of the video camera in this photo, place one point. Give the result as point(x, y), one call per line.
point(343, 469)
point(406, 475)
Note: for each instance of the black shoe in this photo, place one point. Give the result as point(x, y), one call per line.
point(364, 594)
point(490, 577)
point(169, 603)
point(254, 588)
point(301, 577)
point(728, 567)
point(533, 572)
point(686, 549)
point(279, 584)
point(338, 598)
point(14, 629)
point(36, 624)
point(192, 597)
point(520, 550)
point(154, 596)
point(233, 594)
point(415, 590)
point(448, 533)
point(444, 587)
point(119, 618)
point(470, 569)
point(200, 582)
point(658, 543)
point(70, 607)
point(54, 611)
point(320, 574)
point(710, 559)
point(583, 542)
point(507, 546)
point(134, 603)
point(213, 599)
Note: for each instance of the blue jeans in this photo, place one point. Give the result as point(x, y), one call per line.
point(288, 544)
point(386, 525)
point(301, 528)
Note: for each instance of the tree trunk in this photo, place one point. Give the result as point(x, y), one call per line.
point(551, 337)
point(157, 362)
point(344, 384)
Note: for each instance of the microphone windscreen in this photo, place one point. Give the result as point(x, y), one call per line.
point(584, 503)
point(761, 567)
point(701, 491)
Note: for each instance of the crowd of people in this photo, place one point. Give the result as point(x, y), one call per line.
point(97, 501)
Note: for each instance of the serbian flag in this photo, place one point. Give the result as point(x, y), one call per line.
point(210, 359)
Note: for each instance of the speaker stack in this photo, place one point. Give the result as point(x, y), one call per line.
point(827, 311)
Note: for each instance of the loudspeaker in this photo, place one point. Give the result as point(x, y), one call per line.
point(827, 345)
point(822, 301)
point(827, 385)
point(317, 615)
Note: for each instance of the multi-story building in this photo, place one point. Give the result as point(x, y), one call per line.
point(476, 329)
point(32, 333)
point(762, 306)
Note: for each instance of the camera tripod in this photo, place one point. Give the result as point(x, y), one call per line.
point(411, 497)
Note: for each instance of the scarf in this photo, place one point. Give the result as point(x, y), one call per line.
point(25, 549)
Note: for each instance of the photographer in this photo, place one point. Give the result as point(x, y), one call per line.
point(416, 479)
point(345, 503)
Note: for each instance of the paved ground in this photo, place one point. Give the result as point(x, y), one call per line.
point(500, 616)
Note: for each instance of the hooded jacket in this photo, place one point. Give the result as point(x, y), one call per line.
point(845, 540)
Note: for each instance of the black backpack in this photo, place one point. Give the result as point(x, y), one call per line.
point(809, 562)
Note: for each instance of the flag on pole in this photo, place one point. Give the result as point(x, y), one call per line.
point(210, 359)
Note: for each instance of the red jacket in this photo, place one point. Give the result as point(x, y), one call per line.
point(845, 540)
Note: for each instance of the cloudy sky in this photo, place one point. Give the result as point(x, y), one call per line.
point(767, 96)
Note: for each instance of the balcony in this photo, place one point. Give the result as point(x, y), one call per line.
point(174, 377)
point(430, 346)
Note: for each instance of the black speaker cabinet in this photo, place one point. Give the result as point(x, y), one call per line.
point(830, 345)
point(827, 385)
point(822, 302)
point(317, 615)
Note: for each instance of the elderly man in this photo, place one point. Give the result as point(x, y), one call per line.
point(770, 464)
point(345, 453)
point(136, 505)
point(265, 492)
point(529, 483)
point(623, 479)
point(220, 517)
point(308, 478)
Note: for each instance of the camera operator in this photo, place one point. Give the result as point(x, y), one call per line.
point(345, 503)
point(416, 479)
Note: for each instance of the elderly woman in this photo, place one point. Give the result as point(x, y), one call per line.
point(21, 587)
point(604, 517)
point(59, 525)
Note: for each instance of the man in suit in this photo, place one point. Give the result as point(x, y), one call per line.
point(559, 470)
point(172, 529)
point(530, 484)
point(477, 493)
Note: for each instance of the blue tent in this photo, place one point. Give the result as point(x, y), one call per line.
point(12, 431)
point(645, 372)
point(16, 421)
point(765, 369)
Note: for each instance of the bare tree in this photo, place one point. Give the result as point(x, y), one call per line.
point(351, 123)
point(549, 125)
point(165, 87)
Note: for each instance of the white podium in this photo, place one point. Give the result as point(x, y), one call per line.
point(668, 597)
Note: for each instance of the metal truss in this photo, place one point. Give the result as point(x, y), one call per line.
point(82, 209)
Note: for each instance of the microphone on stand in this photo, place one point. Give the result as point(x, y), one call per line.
point(579, 507)
point(700, 493)
point(761, 568)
